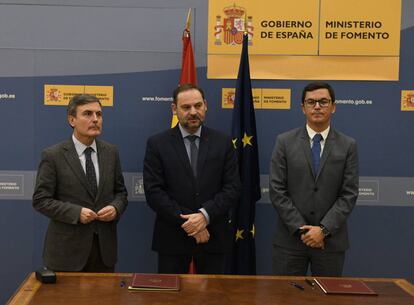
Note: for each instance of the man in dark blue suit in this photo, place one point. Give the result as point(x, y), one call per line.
point(191, 181)
point(314, 187)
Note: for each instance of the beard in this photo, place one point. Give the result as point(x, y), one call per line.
point(193, 122)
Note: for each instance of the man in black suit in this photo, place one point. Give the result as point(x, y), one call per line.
point(314, 187)
point(191, 181)
point(80, 187)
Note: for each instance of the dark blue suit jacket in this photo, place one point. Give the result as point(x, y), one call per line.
point(171, 189)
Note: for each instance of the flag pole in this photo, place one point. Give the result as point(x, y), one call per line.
point(188, 22)
point(191, 268)
point(245, 23)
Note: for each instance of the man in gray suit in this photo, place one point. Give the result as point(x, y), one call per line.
point(313, 187)
point(80, 187)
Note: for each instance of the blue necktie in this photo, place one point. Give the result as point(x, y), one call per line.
point(193, 153)
point(316, 152)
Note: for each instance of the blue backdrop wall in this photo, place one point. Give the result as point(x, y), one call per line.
point(135, 46)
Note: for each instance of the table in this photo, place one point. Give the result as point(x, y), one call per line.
point(112, 289)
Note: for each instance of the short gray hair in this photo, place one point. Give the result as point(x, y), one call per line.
point(79, 100)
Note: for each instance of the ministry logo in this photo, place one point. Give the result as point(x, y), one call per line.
point(53, 95)
point(230, 29)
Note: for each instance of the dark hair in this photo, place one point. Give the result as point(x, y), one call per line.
point(79, 100)
point(186, 87)
point(318, 85)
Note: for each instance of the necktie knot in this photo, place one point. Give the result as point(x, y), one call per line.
point(192, 138)
point(317, 138)
point(88, 151)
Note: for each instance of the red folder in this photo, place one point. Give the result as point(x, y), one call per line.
point(155, 282)
point(344, 286)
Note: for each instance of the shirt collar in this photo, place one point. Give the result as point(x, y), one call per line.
point(80, 147)
point(312, 132)
point(185, 133)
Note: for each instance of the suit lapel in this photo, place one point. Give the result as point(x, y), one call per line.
point(307, 149)
point(103, 162)
point(72, 159)
point(329, 143)
point(179, 146)
point(203, 149)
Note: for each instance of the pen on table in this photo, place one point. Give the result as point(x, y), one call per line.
point(311, 283)
point(297, 285)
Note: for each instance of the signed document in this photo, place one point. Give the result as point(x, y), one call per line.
point(155, 282)
point(344, 286)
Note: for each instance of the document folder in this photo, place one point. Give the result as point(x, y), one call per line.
point(155, 282)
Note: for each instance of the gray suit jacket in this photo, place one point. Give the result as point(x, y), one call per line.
point(301, 198)
point(62, 190)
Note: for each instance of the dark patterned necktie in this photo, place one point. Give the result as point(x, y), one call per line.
point(316, 152)
point(90, 171)
point(193, 153)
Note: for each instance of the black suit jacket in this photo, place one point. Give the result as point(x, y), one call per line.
point(62, 190)
point(171, 189)
point(301, 198)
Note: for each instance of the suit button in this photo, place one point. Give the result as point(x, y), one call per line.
point(312, 213)
point(197, 194)
point(315, 189)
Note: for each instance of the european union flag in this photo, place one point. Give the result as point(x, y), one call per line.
point(245, 142)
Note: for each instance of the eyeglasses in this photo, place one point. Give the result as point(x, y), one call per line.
point(324, 102)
